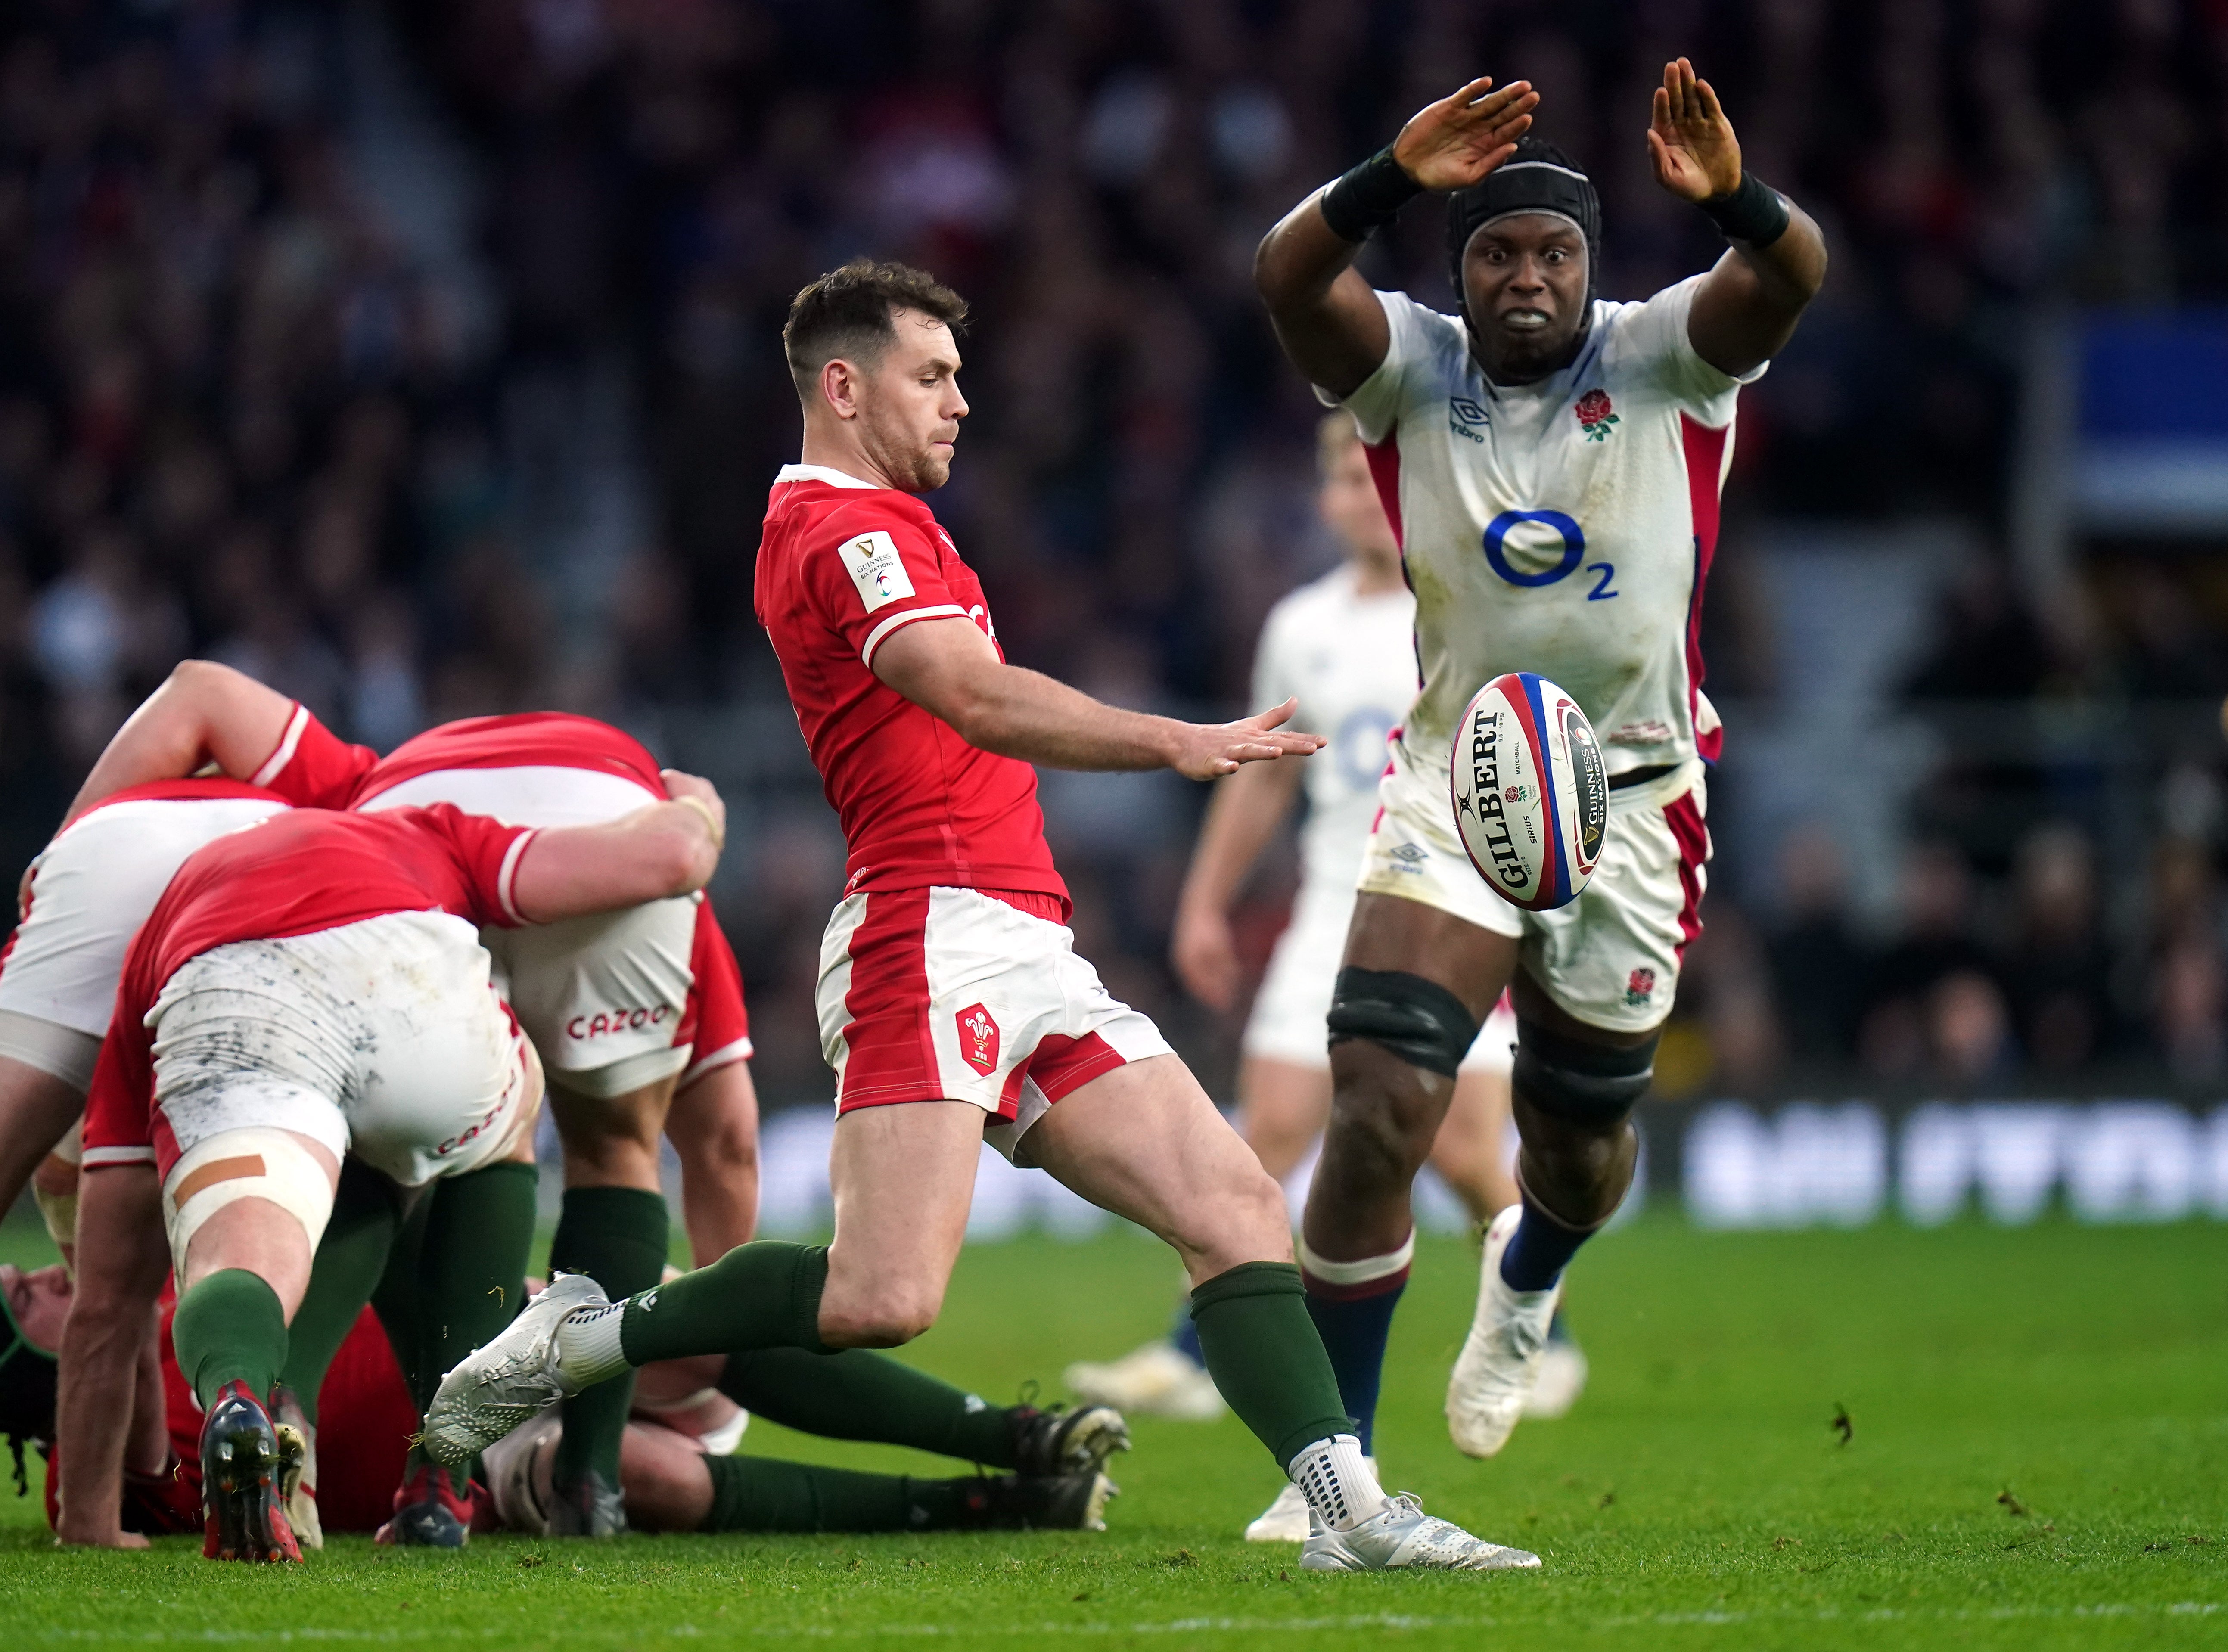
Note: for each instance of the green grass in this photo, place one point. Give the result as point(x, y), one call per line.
point(2040, 1424)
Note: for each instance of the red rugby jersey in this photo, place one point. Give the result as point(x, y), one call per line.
point(298, 873)
point(553, 740)
point(842, 565)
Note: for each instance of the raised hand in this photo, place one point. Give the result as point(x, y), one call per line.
point(1209, 750)
point(1452, 143)
point(1689, 139)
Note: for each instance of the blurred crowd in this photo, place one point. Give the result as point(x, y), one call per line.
point(237, 418)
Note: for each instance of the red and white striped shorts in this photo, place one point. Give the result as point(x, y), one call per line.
point(967, 994)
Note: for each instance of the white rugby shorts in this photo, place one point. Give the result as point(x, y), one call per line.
point(381, 1038)
point(94, 887)
point(960, 995)
point(1610, 958)
point(1290, 1011)
point(601, 997)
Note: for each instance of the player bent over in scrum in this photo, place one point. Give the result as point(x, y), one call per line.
point(617, 1006)
point(309, 988)
point(1552, 461)
point(951, 1002)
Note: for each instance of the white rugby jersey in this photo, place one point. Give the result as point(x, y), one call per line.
point(1564, 527)
point(1351, 662)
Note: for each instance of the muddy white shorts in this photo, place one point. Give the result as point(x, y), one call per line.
point(601, 997)
point(1289, 1012)
point(94, 887)
point(957, 995)
point(1612, 957)
point(381, 1038)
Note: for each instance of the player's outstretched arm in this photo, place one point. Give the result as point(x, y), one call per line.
point(121, 1259)
point(1242, 816)
point(1324, 314)
point(667, 848)
point(203, 712)
point(949, 668)
point(1748, 305)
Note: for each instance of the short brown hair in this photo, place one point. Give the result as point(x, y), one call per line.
point(848, 313)
point(1334, 434)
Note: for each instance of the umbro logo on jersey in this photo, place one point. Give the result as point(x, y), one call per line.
point(1410, 855)
point(1464, 416)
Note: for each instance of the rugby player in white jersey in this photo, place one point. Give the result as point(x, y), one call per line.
point(953, 1006)
point(1551, 463)
point(1342, 646)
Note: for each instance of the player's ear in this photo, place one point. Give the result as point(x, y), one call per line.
point(839, 387)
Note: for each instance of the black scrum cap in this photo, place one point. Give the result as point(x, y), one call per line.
point(1538, 178)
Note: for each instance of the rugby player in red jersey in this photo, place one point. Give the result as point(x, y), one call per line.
point(952, 1005)
point(310, 987)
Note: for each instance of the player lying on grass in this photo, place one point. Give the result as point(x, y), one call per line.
point(1344, 647)
point(311, 986)
point(953, 1004)
point(1552, 463)
point(677, 1472)
point(622, 1009)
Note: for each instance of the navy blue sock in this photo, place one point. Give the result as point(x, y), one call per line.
point(1540, 1248)
point(1183, 1335)
point(1354, 1322)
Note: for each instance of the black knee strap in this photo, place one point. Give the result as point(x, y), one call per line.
point(1586, 1084)
point(1418, 1021)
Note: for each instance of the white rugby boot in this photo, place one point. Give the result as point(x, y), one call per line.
point(1286, 1521)
point(1158, 1379)
point(1401, 1537)
point(1562, 1378)
point(1500, 1361)
point(511, 1379)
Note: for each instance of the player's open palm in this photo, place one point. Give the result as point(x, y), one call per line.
point(1689, 140)
point(1452, 143)
point(1209, 751)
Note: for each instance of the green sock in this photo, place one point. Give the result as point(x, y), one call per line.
point(765, 1294)
point(351, 1257)
point(469, 1273)
point(764, 1494)
point(859, 1395)
point(618, 1236)
point(395, 1299)
point(1263, 1353)
point(230, 1328)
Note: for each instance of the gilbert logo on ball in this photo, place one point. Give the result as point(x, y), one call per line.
point(1530, 792)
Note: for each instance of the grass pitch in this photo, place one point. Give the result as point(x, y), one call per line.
point(2039, 1426)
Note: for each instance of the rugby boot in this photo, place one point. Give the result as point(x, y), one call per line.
point(589, 1507)
point(1499, 1359)
point(1562, 1377)
point(1401, 1537)
point(298, 1437)
point(244, 1517)
point(429, 1513)
point(1159, 1380)
point(1058, 1441)
point(1033, 1503)
point(1286, 1521)
point(517, 1470)
point(511, 1379)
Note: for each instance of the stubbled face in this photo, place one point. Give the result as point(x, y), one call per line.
point(1350, 508)
point(40, 1300)
point(1524, 277)
point(909, 404)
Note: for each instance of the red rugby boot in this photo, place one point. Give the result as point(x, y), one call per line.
point(244, 1516)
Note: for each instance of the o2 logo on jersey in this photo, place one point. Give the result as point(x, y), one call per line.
point(1573, 540)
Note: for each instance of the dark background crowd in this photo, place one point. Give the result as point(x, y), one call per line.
point(254, 405)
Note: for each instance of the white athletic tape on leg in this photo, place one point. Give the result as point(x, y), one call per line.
point(282, 1170)
point(1360, 1272)
point(59, 1210)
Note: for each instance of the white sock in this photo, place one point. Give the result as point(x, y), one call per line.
point(588, 1346)
point(1338, 1481)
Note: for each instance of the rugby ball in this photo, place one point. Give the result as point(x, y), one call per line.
point(1530, 792)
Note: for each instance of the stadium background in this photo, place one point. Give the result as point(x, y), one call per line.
point(422, 360)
